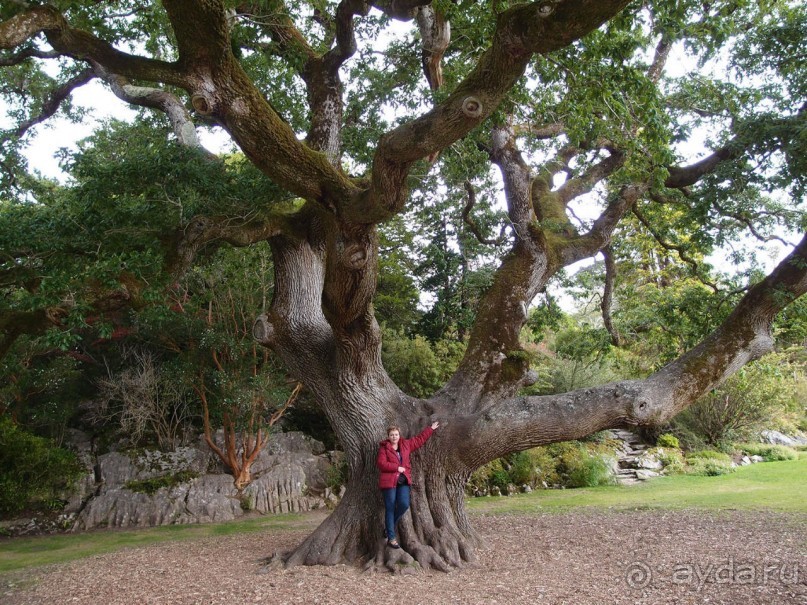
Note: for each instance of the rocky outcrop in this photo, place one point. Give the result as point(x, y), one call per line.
point(777, 438)
point(191, 485)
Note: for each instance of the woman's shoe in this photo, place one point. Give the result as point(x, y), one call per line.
point(393, 543)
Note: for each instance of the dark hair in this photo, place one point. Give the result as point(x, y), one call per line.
point(393, 428)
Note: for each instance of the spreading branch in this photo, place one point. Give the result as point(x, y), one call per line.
point(27, 53)
point(520, 423)
point(55, 100)
point(521, 31)
point(68, 41)
point(155, 98)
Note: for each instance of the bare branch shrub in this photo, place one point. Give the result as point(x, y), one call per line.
point(144, 400)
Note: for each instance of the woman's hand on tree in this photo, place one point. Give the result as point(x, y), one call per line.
point(435, 425)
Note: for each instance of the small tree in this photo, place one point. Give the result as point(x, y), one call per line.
point(239, 452)
point(749, 400)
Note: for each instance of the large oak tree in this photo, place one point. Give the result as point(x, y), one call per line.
point(351, 126)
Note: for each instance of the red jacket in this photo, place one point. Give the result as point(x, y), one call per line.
point(388, 462)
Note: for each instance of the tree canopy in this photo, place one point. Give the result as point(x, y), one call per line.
point(467, 151)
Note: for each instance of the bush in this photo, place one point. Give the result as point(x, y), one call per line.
point(708, 462)
point(668, 440)
point(708, 455)
point(671, 459)
point(569, 464)
point(33, 471)
point(709, 466)
point(589, 471)
point(749, 400)
point(480, 480)
point(522, 468)
point(577, 467)
point(771, 453)
point(499, 478)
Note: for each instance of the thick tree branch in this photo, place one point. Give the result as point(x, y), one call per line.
point(204, 230)
point(345, 35)
point(575, 248)
point(55, 100)
point(27, 53)
point(541, 131)
point(435, 35)
point(656, 68)
point(287, 40)
point(521, 31)
point(494, 365)
point(744, 336)
point(519, 423)
point(595, 173)
point(79, 44)
point(680, 177)
point(402, 10)
point(156, 98)
point(202, 32)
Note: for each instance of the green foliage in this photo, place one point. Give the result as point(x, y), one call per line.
point(559, 375)
point(771, 453)
point(412, 364)
point(418, 366)
point(480, 480)
point(153, 485)
point(590, 471)
point(708, 455)
point(747, 401)
point(708, 467)
point(566, 464)
point(709, 463)
point(33, 471)
point(668, 441)
point(578, 467)
point(671, 459)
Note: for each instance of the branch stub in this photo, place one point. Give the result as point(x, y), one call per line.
point(263, 331)
point(202, 104)
point(472, 107)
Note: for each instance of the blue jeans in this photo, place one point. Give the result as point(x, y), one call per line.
point(396, 503)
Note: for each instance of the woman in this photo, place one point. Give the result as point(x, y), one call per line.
point(396, 475)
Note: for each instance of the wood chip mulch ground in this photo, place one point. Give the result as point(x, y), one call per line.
point(576, 558)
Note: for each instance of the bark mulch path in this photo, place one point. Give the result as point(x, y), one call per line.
point(574, 558)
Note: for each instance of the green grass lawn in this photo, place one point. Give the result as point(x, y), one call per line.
point(19, 553)
point(777, 486)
